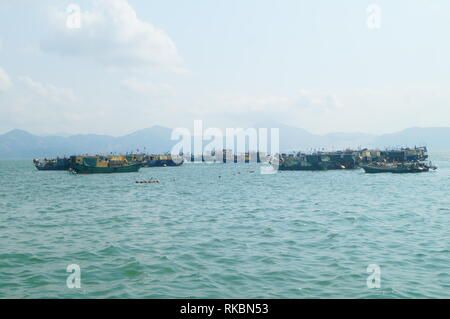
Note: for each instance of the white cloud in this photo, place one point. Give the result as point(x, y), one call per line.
point(111, 33)
point(154, 89)
point(297, 108)
point(48, 91)
point(374, 110)
point(37, 106)
point(369, 110)
point(313, 100)
point(317, 99)
point(5, 81)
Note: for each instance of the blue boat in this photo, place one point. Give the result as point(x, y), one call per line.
point(160, 161)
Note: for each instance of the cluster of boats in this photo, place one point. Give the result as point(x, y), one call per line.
point(105, 163)
point(404, 160)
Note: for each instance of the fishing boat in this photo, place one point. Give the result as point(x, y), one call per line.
point(52, 164)
point(398, 168)
point(318, 161)
point(102, 165)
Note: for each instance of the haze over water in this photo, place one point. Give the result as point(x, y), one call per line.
point(243, 235)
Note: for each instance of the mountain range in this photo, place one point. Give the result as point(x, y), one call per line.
point(156, 139)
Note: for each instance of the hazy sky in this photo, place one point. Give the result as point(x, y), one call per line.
point(311, 64)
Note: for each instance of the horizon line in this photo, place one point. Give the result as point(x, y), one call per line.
point(65, 135)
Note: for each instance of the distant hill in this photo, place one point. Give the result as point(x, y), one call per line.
point(21, 144)
point(436, 138)
point(156, 139)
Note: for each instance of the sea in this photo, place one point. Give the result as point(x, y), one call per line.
point(224, 231)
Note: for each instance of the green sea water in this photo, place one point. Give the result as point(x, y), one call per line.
point(240, 235)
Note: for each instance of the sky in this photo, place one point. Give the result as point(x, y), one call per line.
point(325, 66)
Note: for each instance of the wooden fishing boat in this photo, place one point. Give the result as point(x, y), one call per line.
point(102, 165)
point(400, 168)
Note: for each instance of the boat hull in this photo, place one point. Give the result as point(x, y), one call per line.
point(84, 169)
point(301, 168)
point(56, 168)
point(161, 163)
point(376, 170)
